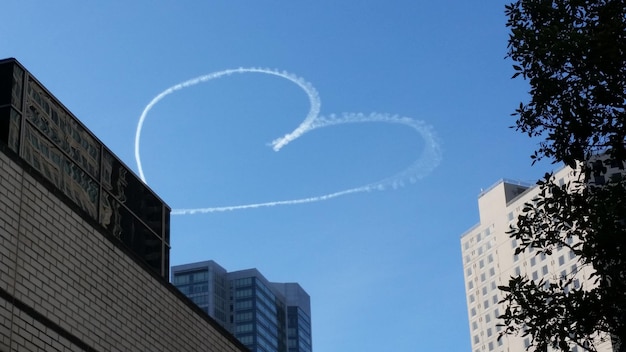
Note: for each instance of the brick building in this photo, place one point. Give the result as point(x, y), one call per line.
point(84, 245)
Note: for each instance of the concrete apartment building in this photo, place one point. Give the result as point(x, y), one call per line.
point(489, 261)
point(84, 245)
point(265, 316)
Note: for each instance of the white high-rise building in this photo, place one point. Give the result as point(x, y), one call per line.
point(489, 261)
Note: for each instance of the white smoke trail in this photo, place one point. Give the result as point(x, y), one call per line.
point(314, 102)
point(427, 161)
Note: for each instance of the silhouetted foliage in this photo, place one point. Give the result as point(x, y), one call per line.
point(573, 54)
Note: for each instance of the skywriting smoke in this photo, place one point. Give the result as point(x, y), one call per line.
point(428, 160)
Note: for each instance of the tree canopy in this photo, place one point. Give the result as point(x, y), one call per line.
point(573, 55)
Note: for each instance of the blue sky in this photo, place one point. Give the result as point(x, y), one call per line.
point(383, 268)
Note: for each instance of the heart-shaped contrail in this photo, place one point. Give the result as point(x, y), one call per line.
point(428, 160)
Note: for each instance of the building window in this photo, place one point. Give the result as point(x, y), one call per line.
point(243, 328)
point(544, 270)
point(562, 260)
point(492, 271)
point(533, 261)
point(243, 293)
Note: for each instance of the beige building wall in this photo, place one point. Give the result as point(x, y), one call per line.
point(64, 286)
point(489, 261)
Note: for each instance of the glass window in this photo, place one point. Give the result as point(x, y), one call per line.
point(243, 316)
point(243, 293)
point(492, 271)
point(544, 270)
point(181, 279)
point(243, 304)
point(533, 261)
point(247, 281)
point(243, 328)
point(562, 260)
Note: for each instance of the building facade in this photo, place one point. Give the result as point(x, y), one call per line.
point(263, 315)
point(489, 260)
point(84, 245)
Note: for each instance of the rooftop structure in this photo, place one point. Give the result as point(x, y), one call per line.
point(84, 245)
